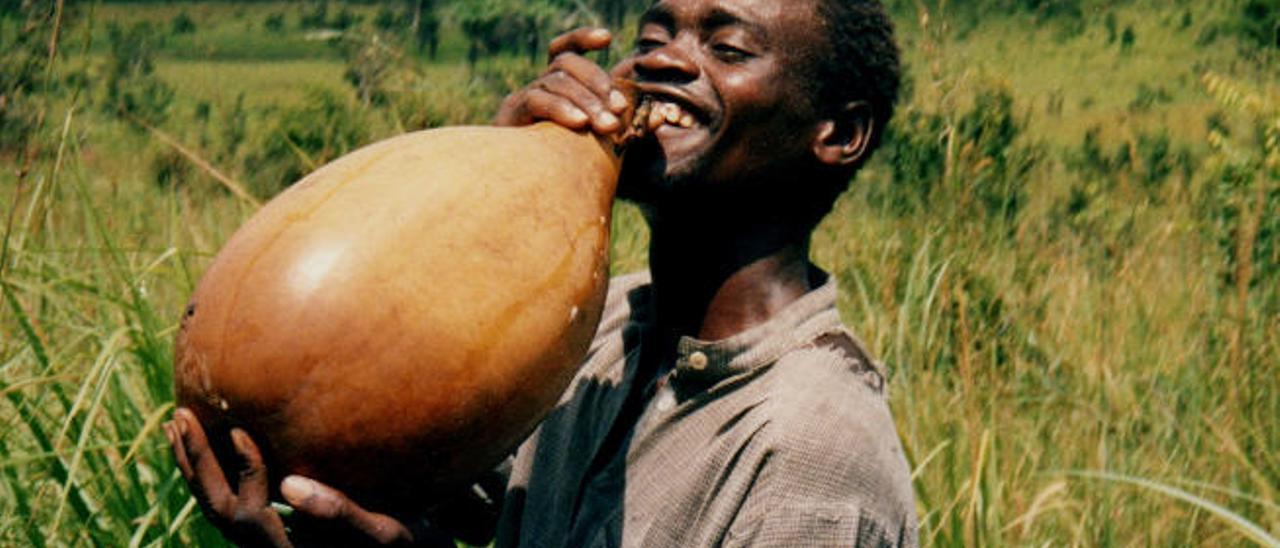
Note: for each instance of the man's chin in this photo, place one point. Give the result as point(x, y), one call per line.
point(656, 182)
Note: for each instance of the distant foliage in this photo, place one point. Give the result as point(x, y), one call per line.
point(1148, 159)
point(370, 60)
point(274, 22)
point(169, 168)
point(513, 26)
point(1259, 22)
point(24, 59)
point(1148, 96)
point(183, 23)
point(1256, 23)
point(304, 137)
point(1243, 198)
point(1068, 17)
point(990, 158)
point(315, 15)
point(975, 156)
point(132, 88)
point(1128, 38)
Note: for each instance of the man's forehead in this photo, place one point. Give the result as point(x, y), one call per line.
point(761, 12)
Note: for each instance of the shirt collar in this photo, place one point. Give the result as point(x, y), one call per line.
point(703, 363)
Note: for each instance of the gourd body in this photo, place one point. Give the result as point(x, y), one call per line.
point(399, 320)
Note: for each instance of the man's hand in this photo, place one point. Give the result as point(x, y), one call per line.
point(573, 92)
point(323, 515)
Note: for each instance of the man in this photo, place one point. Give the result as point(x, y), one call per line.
point(721, 403)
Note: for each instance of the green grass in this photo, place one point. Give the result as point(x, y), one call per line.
point(262, 84)
point(1085, 372)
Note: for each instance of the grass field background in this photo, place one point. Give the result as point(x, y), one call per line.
point(1068, 251)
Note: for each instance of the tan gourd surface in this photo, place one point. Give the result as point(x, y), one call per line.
point(401, 318)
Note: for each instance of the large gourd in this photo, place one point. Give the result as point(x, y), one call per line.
point(399, 320)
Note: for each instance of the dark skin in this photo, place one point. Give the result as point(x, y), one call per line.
point(733, 142)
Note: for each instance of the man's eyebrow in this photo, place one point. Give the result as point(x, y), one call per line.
point(720, 17)
point(659, 14)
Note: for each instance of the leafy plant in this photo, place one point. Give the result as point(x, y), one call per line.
point(302, 138)
point(132, 88)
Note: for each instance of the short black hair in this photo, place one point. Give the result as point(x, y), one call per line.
point(862, 61)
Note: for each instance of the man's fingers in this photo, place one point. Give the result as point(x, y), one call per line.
point(251, 493)
point(564, 85)
point(580, 41)
point(591, 77)
point(321, 502)
point(179, 450)
point(544, 105)
point(210, 482)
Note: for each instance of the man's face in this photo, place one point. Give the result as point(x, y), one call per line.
point(739, 72)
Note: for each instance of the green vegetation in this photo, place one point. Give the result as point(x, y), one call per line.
point(1068, 251)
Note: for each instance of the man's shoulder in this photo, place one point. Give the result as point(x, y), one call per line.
point(829, 416)
point(604, 359)
point(618, 301)
point(832, 377)
point(832, 437)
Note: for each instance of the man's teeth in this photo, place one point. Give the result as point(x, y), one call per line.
point(670, 113)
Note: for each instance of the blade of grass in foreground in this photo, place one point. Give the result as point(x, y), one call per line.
point(1248, 528)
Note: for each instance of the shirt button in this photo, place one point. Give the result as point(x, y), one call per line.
point(698, 360)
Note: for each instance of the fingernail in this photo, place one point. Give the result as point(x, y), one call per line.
point(617, 101)
point(600, 33)
point(296, 489)
point(240, 439)
point(181, 424)
point(578, 117)
point(607, 119)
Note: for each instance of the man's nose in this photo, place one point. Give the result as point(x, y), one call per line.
point(669, 63)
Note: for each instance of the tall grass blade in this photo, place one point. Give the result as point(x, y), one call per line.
point(1249, 529)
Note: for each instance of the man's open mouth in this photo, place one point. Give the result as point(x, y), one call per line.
point(663, 112)
point(669, 109)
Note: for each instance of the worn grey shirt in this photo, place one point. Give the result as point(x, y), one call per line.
point(777, 436)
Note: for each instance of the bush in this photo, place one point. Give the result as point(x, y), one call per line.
point(302, 138)
point(1147, 97)
point(316, 17)
point(1128, 38)
point(976, 154)
point(915, 151)
point(183, 24)
point(274, 22)
point(23, 62)
point(169, 169)
point(996, 167)
point(344, 20)
point(370, 62)
point(388, 20)
point(1259, 23)
point(1150, 159)
point(132, 88)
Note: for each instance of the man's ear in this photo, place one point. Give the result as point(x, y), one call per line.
point(842, 140)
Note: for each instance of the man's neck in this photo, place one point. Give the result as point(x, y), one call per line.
point(712, 280)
